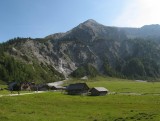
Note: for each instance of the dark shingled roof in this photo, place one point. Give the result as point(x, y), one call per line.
point(77, 86)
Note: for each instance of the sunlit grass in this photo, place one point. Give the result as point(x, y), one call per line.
point(56, 106)
point(122, 85)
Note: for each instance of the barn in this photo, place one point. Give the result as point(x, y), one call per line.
point(98, 91)
point(42, 87)
point(14, 86)
point(26, 86)
point(77, 89)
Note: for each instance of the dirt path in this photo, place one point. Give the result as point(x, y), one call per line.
point(22, 94)
point(58, 83)
point(133, 93)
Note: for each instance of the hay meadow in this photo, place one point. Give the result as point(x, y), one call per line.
point(128, 101)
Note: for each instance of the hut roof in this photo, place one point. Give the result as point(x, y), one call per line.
point(12, 84)
point(100, 89)
point(77, 86)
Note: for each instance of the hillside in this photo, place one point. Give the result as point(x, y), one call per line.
point(113, 51)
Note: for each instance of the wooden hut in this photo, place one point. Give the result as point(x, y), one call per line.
point(14, 86)
point(98, 91)
point(40, 87)
point(77, 89)
point(26, 86)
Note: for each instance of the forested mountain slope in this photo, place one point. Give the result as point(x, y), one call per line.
point(99, 49)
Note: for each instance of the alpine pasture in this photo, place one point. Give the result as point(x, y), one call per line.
point(127, 101)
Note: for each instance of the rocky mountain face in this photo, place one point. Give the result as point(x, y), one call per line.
point(114, 51)
point(147, 32)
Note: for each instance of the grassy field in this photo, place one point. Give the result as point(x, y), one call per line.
point(120, 85)
point(55, 106)
point(123, 85)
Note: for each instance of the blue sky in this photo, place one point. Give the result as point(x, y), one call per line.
point(39, 18)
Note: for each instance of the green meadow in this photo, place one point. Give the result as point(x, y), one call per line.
point(57, 106)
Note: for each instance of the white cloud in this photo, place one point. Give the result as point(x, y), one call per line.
point(137, 13)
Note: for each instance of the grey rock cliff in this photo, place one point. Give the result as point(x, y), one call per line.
point(89, 42)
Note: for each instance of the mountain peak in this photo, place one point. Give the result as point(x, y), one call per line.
point(90, 21)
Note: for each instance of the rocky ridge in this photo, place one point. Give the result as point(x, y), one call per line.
point(104, 47)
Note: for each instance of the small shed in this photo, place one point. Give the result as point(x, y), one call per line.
point(14, 86)
point(26, 86)
point(40, 87)
point(98, 91)
point(77, 89)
